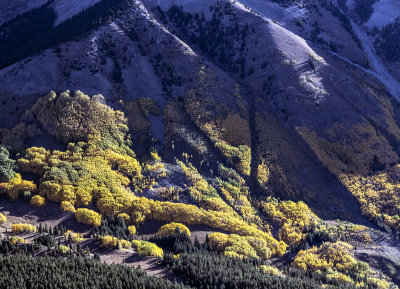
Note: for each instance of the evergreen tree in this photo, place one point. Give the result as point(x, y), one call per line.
point(7, 165)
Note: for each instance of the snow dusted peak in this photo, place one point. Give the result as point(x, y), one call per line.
point(385, 12)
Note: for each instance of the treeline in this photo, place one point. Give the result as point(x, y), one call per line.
point(212, 271)
point(336, 11)
point(286, 3)
point(203, 268)
point(113, 226)
point(33, 31)
point(24, 29)
point(181, 243)
point(389, 43)
point(223, 43)
point(22, 271)
point(343, 18)
point(7, 165)
point(364, 9)
point(49, 241)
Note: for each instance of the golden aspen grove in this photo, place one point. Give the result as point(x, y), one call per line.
point(219, 144)
point(99, 176)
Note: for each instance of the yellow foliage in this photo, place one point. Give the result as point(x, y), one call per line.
point(217, 204)
point(339, 277)
point(337, 256)
point(229, 131)
point(98, 167)
point(156, 168)
point(263, 174)
point(236, 130)
point(16, 185)
point(242, 152)
point(17, 240)
point(132, 229)
point(3, 218)
point(63, 249)
point(75, 237)
point(355, 162)
point(36, 160)
point(237, 196)
point(145, 248)
point(270, 270)
point(294, 219)
point(67, 207)
point(219, 241)
point(144, 209)
point(355, 233)
point(124, 216)
point(200, 189)
point(84, 173)
point(37, 201)
point(125, 164)
point(83, 197)
point(109, 241)
point(78, 117)
point(114, 242)
point(170, 193)
point(344, 155)
point(379, 283)
point(88, 217)
point(171, 228)
point(378, 195)
point(241, 246)
point(23, 228)
point(155, 156)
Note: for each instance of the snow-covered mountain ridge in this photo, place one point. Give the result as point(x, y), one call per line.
point(298, 99)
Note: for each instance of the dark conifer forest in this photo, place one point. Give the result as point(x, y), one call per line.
point(199, 144)
point(33, 31)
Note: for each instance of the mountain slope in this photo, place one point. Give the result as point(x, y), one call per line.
point(242, 100)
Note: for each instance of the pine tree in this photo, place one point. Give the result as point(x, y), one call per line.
point(7, 165)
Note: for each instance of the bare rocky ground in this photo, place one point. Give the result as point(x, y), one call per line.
point(383, 255)
point(51, 215)
point(131, 258)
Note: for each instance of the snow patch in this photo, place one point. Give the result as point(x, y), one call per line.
point(36, 75)
point(276, 12)
point(385, 12)
point(350, 4)
point(381, 72)
point(93, 53)
point(141, 11)
point(116, 28)
point(313, 86)
point(65, 9)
